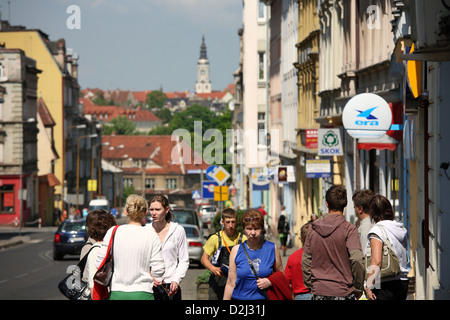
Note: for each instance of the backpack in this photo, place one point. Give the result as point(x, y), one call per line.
point(222, 255)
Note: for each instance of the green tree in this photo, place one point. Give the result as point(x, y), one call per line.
point(127, 190)
point(121, 126)
point(156, 99)
point(164, 114)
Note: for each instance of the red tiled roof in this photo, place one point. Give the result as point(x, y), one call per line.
point(115, 111)
point(141, 96)
point(160, 149)
point(176, 95)
point(211, 96)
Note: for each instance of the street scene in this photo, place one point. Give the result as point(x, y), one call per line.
point(314, 130)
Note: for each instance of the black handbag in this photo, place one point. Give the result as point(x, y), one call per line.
point(72, 286)
point(105, 272)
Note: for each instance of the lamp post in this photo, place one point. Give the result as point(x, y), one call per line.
point(78, 161)
point(64, 189)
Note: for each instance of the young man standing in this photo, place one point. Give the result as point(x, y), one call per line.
point(361, 200)
point(228, 238)
point(332, 260)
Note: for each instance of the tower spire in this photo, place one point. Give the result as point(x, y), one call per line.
point(203, 48)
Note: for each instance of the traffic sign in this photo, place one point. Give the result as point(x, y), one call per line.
point(196, 195)
point(208, 189)
point(210, 171)
point(219, 175)
point(221, 193)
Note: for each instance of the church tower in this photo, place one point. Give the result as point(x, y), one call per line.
point(203, 84)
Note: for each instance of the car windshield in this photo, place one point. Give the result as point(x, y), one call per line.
point(209, 209)
point(73, 226)
point(191, 232)
point(184, 217)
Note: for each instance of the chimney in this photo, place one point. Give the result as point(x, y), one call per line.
point(75, 58)
point(60, 56)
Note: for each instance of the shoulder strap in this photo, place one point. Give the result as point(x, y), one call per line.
point(386, 240)
point(240, 237)
point(82, 263)
point(249, 261)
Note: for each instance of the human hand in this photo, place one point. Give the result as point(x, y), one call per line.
point(173, 289)
point(217, 272)
point(370, 295)
point(263, 283)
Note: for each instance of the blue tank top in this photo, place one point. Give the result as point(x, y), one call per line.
point(263, 262)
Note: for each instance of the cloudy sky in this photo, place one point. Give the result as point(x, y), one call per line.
point(139, 44)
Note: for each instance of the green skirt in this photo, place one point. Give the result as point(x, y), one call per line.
point(138, 295)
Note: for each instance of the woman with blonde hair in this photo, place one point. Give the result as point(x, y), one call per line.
point(136, 254)
point(248, 277)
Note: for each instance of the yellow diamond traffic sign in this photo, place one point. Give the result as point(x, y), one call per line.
point(220, 175)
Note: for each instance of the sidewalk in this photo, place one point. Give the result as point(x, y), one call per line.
point(13, 236)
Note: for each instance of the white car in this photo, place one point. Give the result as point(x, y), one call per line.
point(195, 242)
point(207, 214)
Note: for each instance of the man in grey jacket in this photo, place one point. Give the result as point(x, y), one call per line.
point(332, 260)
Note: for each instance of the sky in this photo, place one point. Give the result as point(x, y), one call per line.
point(139, 44)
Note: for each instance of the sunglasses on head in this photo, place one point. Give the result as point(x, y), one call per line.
point(250, 219)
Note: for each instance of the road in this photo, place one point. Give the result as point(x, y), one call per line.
point(28, 271)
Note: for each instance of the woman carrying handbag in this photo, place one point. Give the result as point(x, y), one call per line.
point(386, 249)
point(136, 255)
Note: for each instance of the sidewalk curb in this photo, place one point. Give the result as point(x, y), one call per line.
point(14, 241)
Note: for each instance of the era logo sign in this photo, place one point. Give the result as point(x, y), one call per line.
point(74, 20)
point(373, 21)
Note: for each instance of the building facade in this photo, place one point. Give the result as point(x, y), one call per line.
point(58, 86)
point(18, 138)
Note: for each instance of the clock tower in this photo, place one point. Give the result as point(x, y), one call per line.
point(203, 84)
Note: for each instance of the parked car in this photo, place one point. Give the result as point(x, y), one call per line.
point(195, 242)
point(207, 214)
point(69, 238)
point(186, 216)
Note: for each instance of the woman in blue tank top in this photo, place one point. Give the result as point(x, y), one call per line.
point(242, 283)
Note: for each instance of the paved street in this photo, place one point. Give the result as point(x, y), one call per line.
point(28, 271)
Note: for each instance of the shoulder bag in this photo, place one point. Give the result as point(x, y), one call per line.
point(250, 262)
point(390, 265)
point(105, 271)
point(72, 286)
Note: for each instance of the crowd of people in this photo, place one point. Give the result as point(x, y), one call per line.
point(151, 260)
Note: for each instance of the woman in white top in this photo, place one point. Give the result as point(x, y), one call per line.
point(136, 254)
point(99, 222)
point(386, 228)
point(174, 249)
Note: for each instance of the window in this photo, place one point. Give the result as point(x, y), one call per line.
point(261, 66)
point(262, 128)
point(127, 182)
point(150, 183)
point(171, 183)
point(261, 10)
point(7, 198)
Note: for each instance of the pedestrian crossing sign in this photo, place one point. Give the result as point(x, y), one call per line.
point(196, 195)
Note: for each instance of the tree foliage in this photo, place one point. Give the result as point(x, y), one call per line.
point(120, 126)
point(156, 99)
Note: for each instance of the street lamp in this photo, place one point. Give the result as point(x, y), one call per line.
point(78, 161)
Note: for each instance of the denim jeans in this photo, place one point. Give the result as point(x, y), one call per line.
point(303, 296)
